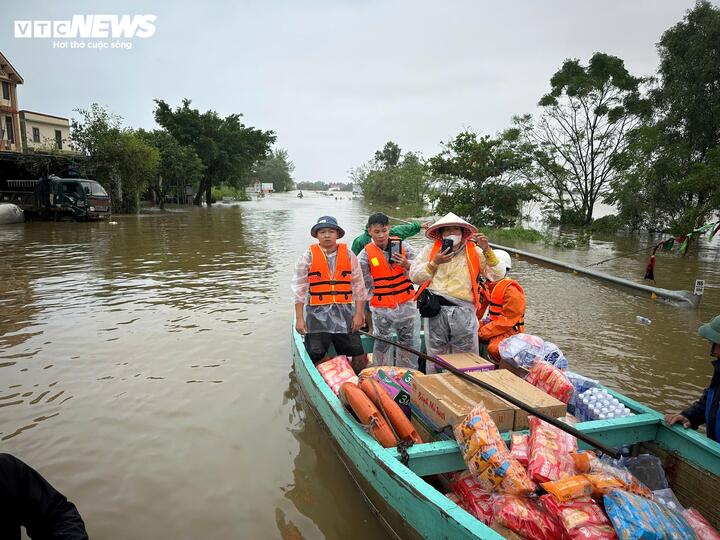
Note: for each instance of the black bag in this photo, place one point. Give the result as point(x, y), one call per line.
point(428, 304)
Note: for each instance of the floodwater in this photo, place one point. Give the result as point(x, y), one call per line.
point(145, 366)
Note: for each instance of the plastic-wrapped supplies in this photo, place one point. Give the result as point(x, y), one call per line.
point(527, 517)
point(551, 380)
point(701, 526)
point(550, 452)
point(524, 349)
point(580, 519)
point(337, 371)
point(638, 518)
point(599, 404)
point(520, 447)
point(667, 497)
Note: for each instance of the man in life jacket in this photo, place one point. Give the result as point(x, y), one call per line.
point(705, 410)
point(385, 262)
point(451, 280)
point(502, 309)
point(329, 295)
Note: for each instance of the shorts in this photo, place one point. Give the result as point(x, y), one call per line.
point(318, 343)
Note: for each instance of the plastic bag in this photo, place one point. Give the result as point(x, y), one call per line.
point(567, 489)
point(553, 355)
point(337, 371)
point(610, 467)
point(527, 517)
point(487, 456)
point(636, 517)
point(519, 447)
point(700, 525)
point(668, 498)
point(551, 380)
point(603, 483)
point(522, 349)
point(550, 452)
point(646, 468)
point(580, 519)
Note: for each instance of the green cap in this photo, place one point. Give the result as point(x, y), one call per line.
point(711, 330)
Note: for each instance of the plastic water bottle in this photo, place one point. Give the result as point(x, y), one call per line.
point(642, 320)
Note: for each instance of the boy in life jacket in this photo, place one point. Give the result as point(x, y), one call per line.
point(452, 275)
point(705, 410)
point(329, 295)
point(502, 309)
point(385, 262)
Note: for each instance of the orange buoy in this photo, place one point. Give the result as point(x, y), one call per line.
point(368, 414)
point(383, 401)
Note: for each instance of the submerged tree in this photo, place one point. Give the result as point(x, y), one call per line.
point(276, 169)
point(575, 142)
point(227, 148)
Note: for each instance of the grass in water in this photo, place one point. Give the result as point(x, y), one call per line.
point(515, 233)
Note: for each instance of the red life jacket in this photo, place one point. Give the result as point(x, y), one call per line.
point(492, 300)
point(324, 288)
point(392, 287)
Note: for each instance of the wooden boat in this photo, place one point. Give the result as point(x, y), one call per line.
point(409, 506)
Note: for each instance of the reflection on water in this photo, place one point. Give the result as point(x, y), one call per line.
point(144, 365)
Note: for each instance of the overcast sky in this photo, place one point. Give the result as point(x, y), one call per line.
point(335, 80)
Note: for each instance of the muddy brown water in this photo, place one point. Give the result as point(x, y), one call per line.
point(145, 366)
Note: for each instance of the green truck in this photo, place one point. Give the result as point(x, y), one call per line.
point(57, 199)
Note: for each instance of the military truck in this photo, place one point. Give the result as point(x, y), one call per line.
point(57, 199)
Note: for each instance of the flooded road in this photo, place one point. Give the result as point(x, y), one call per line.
point(145, 366)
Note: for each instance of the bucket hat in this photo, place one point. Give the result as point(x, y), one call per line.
point(327, 222)
point(711, 330)
point(450, 220)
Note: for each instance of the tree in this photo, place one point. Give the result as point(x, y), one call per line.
point(393, 177)
point(227, 148)
point(179, 165)
point(116, 156)
point(389, 156)
point(581, 132)
point(672, 166)
point(487, 191)
point(276, 169)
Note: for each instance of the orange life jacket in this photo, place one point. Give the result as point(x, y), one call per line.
point(327, 289)
point(473, 262)
point(392, 287)
point(492, 300)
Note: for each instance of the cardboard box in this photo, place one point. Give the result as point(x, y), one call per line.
point(467, 362)
point(524, 391)
point(445, 400)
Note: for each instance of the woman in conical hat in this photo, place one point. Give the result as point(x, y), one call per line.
point(452, 276)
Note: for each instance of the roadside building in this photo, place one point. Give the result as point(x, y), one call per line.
point(44, 132)
point(9, 117)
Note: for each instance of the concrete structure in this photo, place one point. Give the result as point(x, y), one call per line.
point(10, 140)
point(260, 188)
point(44, 132)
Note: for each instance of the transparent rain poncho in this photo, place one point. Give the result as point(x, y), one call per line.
point(455, 328)
point(332, 318)
point(403, 320)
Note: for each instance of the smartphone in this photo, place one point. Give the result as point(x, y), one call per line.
point(447, 244)
point(394, 248)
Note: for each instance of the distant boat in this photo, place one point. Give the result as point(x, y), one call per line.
point(300, 195)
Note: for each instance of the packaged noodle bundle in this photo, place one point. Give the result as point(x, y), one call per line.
point(551, 380)
point(637, 518)
point(606, 476)
point(337, 371)
point(456, 499)
point(475, 500)
point(701, 526)
point(527, 517)
point(550, 452)
point(567, 489)
point(603, 483)
point(519, 447)
point(487, 456)
point(580, 519)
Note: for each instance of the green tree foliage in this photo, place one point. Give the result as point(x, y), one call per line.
point(227, 148)
point(486, 191)
point(117, 157)
point(313, 186)
point(179, 165)
point(276, 169)
point(581, 131)
point(393, 177)
point(672, 165)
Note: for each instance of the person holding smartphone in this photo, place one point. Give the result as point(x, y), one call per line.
point(449, 269)
point(385, 262)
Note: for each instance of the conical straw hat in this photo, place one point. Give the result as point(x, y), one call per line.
point(450, 220)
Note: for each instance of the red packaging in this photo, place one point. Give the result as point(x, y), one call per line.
point(580, 519)
point(700, 525)
point(519, 447)
point(551, 380)
point(527, 517)
point(550, 452)
point(336, 372)
point(480, 504)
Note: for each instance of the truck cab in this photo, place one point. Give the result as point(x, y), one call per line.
point(78, 199)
